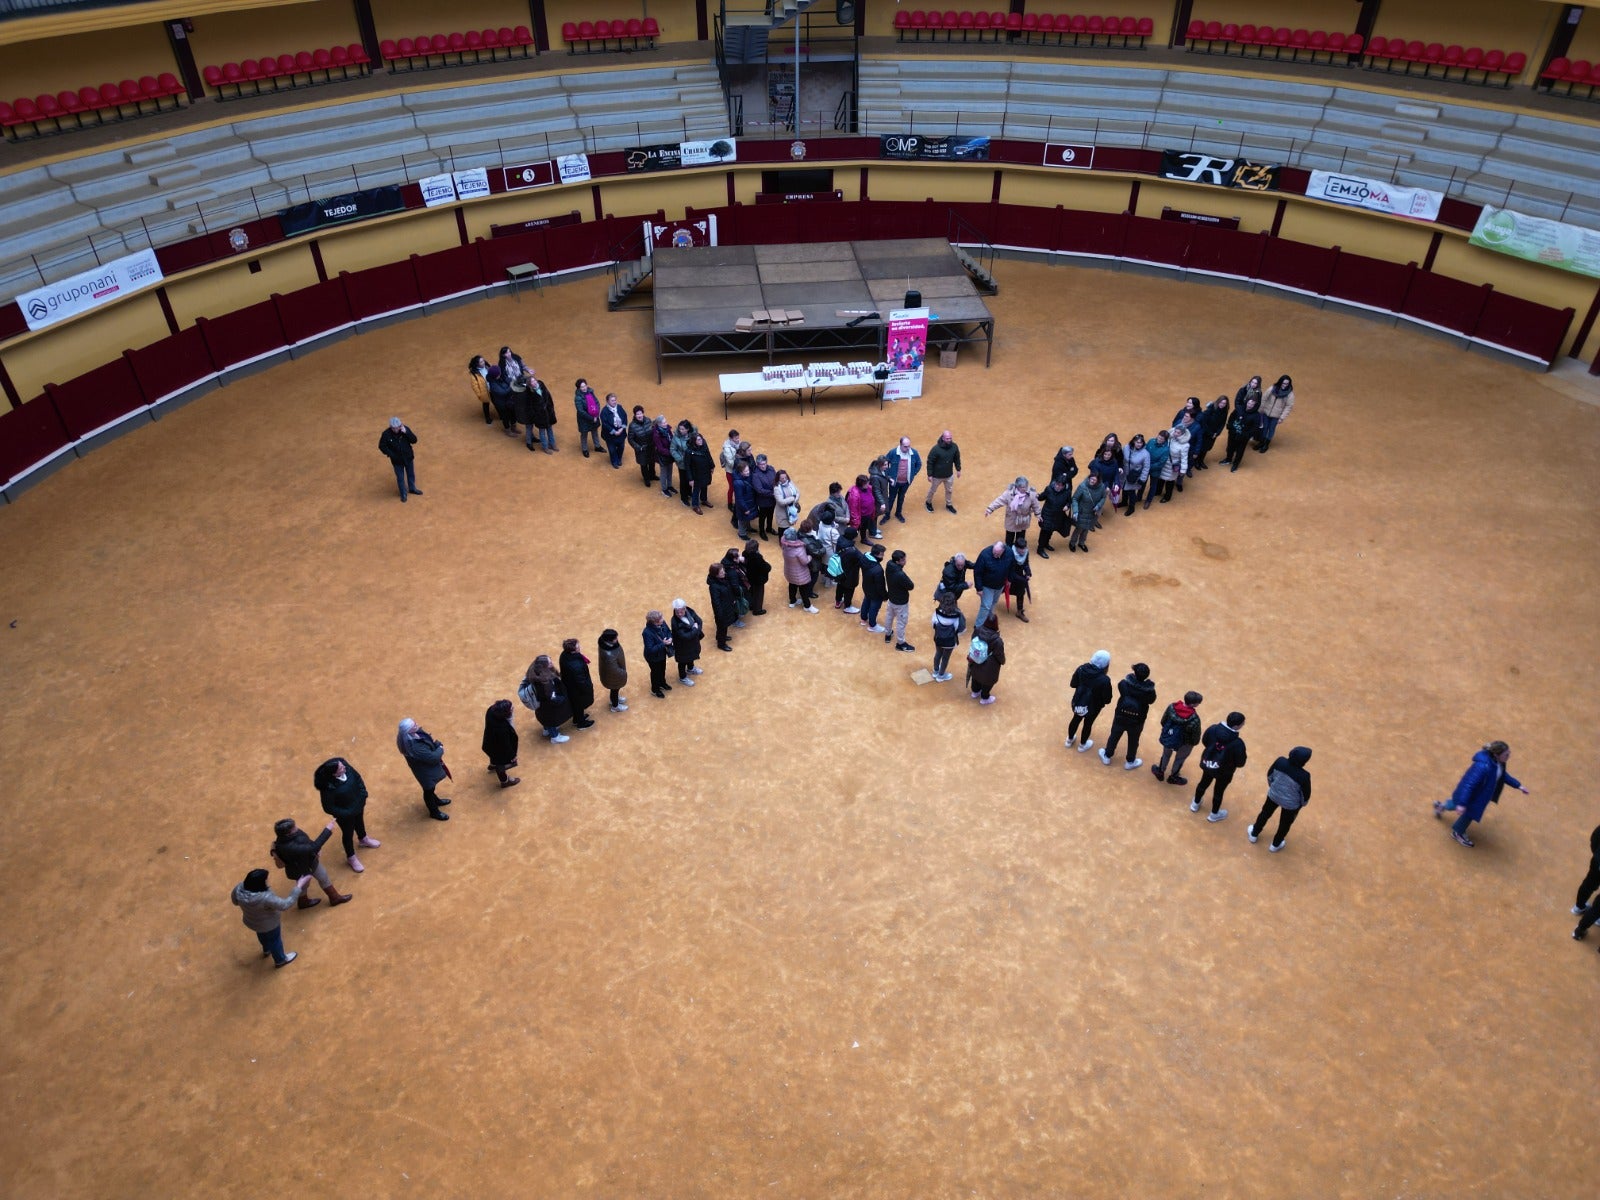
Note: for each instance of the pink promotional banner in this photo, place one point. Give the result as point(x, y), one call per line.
point(908, 347)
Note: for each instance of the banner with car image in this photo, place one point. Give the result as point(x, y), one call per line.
point(921, 148)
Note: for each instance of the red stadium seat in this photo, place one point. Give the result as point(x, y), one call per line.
point(389, 49)
point(474, 44)
point(286, 66)
point(524, 39)
point(1378, 52)
point(1352, 47)
point(1246, 37)
point(635, 31)
point(8, 117)
point(997, 25)
point(952, 21)
point(27, 113)
point(440, 44)
point(569, 35)
point(341, 59)
point(1516, 62)
point(980, 23)
point(1013, 24)
point(1030, 26)
point(933, 22)
point(1127, 29)
point(212, 78)
point(69, 102)
point(1576, 75)
point(966, 22)
point(358, 54)
point(1145, 29)
point(586, 31)
point(1471, 61)
point(652, 30)
point(902, 24)
point(322, 60)
point(50, 110)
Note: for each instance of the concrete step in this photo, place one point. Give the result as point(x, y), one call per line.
point(151, 152)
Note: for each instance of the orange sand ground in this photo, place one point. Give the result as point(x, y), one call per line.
point(807, 930)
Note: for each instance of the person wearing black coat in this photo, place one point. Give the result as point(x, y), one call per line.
point(500, 741)
point(1213, 420)
point(657, 649)
point(614, 429)
point(1064, 464)
point(688, 631)
point(576, 682)
point(588, 427)
point(844, 599)
point(701, 466)
point(898, 588)
point(1222, 752)
point(953, 578)
point(1135, 695)
point(541, 691)
point(1091, 692)
point(724, 604)
point(757, 570)
point(395, 444)
point(536, 409)
point(298, 855)
point(500, 397)
point(1055, 511)
point(1021, 572)
point(1288, 791)
point(746, 514)
point(344, 798)
point(1591, 881)
point(874, 589)
point(641, 437)
point(1242, 430)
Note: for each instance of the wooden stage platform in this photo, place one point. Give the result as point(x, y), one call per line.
point(701, 292)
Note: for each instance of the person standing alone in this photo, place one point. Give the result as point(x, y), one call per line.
point(395, 443)
point(944, 466)
point(1480, 787)
point(903, 464)
point(898, 586)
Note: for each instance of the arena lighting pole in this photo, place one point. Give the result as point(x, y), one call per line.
point(797, 19)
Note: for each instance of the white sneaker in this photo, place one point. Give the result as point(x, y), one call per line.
point(1276, 846)
point(619, 708)
point(794, 604)
point(876, 629)
point(853, 609)
point(1220, 815)
point(1084, 747)
point(1070, 743)
point(559, 738)
point(622, 702)
point(1104, 759)
point(988, 700)
point(813, 609)
point(696, 671)
point(947, 677)
point(1250, 832)
point(689, 682)
point(1194, 806)
point(1576, 909)
point(1134, 765)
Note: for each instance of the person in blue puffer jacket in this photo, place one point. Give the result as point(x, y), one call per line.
point(1480, 787)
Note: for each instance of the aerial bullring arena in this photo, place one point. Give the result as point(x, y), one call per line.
point(885, 872)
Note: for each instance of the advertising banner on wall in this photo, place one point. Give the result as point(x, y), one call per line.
point(437, 190)
point(353, 206)
point(1187, 166)
point(529, 175)
point(669, 157)
point(915, 146)
point(471, 184)
point(1390, 198)
point(907, 346)
point(89, 289)
point(1538, 240)
point(1060, 154)
point(573, 168)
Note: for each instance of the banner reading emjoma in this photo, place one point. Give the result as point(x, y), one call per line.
point(1538, 240)
point(89, 289)
point(908, 346)
point(1191, 167)
point(1370, 193)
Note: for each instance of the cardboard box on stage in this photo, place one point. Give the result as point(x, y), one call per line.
point(947, 354)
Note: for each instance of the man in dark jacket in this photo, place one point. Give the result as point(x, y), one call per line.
point(898, 586)
point(849, 573)
point(953, 578)
point(991, 570)
point(1091, 692)
point(1222, 752)
point(344, 798)
point(745, 512)
point(298, 855)
point(425, 757)
point(764, 478)
point(944, 466)
point(395, 443)
point(1135, 695)
point(873, 589)
point(1055, 511)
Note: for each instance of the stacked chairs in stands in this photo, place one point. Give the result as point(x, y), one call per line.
point(1494, 67)
point(1046, 28)
point(431, 51)
point(90, 105)
point(597, 37)
point(279, 72)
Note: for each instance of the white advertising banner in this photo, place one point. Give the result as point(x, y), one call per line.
point(573, 168)
point(1390, 198)
point(471, 184)
point(437, 190)
point(701, 154)
point(89, 289)
point(908, 346)
point(1538, 240)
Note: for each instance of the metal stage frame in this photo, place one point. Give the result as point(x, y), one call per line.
point(700, 292)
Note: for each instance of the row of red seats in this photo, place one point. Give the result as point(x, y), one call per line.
point(1494, 66)
point(439, 49)
point(286, 70)
point(587, 33)
point(1083, 30)
point(1574, 74)
point(108, 102)
point(1311, 42)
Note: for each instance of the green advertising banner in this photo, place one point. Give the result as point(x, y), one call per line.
point(1538, 240)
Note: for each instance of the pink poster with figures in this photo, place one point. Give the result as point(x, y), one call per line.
point(907, 347)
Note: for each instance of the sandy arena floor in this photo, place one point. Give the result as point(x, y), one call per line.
point(808, 930)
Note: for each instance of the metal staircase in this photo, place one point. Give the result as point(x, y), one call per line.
point(745, 30)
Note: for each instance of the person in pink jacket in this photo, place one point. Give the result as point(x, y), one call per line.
point(863, 506)
point(797, 569)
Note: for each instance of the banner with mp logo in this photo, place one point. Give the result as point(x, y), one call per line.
point(1370, 193)
point(89, 289)
point(915, 146)
point(1187, 166)
point(353, 206)
point(1538, 240)
point(908, 347)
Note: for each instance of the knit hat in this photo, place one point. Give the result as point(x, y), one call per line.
point(1101, 659)
point(407, 725)
point(394, 422)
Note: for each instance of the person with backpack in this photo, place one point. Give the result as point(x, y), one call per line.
point(1288, 789)
point(986, 654)
point(1018, 575)
point(1087, 502)
point(587, 406)
point(849, 577)
point(1091, 692)
point(948, 624)
point(874, 589)
point(1243, 427)
point(542, 692)
point(898, 588)
point(1021, 505)
point(1055, 511)
point(1135, 695)
point(1480, 787)
point(1180, 734)
point(1223, 754)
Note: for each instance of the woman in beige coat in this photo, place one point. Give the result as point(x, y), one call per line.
point(1021, 504)
point(1276, 403)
